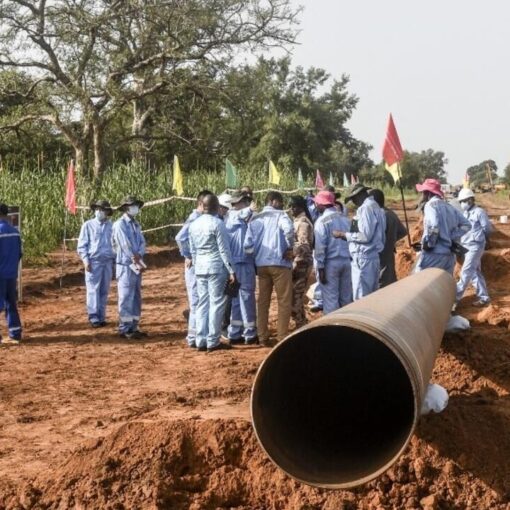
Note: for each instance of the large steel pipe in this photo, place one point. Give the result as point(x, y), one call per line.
point(336, 403)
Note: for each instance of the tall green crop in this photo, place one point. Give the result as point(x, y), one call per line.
point(40, 194)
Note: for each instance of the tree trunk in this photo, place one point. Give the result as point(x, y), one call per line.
point(79, 155)
point(97, 142)
point(140, 145)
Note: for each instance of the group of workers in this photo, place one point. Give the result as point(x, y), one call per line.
point(228, 245)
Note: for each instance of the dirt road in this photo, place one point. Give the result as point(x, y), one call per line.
point(89, 420)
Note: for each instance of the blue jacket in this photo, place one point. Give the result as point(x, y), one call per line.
point(209, 246)
point(481, 228)
point(95, 241)
point(270, 234)
point(182, 237)
point(10, 250)
point(442, 224)
point(236, 223)
point(328, 247)
point(128, 239)
point(370, 222)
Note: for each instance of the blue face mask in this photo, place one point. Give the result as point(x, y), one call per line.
point(100, 215)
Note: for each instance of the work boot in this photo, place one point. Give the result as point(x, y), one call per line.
point(220, 347)
point(10, 341)
point(251, 341)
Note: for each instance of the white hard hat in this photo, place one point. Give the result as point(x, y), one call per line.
point(464, 194)
point(225, 200)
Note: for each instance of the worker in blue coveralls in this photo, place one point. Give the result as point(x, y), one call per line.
point(366, 240)
point(130, 246)
point(474, 241)
point(10, 255)
point(212, 260)
point(243, 317)
point(182, 240)
point(270, 238)
point(95, 248)
point(443, 226)
point(332, 258)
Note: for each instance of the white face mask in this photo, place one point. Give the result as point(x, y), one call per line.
point(100, 215)
point(133, 210)
point(464, 205)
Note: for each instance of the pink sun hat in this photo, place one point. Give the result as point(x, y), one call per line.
point(432, 185)
point(325, 198)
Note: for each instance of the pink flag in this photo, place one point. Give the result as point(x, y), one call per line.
point(70, 189)
point(392, 150)
point(319, 183)
point(353, 179)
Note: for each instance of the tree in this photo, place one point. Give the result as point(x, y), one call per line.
point(506, 174)
point(100, 56)
point(478, 173)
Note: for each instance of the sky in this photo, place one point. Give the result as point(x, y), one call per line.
point(441, 67)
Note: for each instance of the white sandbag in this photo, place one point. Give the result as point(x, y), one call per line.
point(436, 399)
point(457, 323)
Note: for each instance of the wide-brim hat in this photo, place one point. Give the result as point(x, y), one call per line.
point(325, 198)
point(432, 185)
point(225, 200)
point(130, 200)
point(355, 190)
point(102, 204)
point(237, 196)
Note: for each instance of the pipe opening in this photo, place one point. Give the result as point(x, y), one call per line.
point(333, 405)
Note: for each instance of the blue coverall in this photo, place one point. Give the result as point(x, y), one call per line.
point(182, 239)
point(442, 224)
point(210, 251)
point(333, 256)
point(10, 255)
point(128, 240)
point(474, 241)
point(95, 247)
point(243, 316)
point(365, 243)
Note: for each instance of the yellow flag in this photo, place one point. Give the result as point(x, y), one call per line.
point(177, 178)
point(394, 170)
point(274, 175)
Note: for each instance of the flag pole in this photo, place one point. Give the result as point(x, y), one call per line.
point(404, 205)
point(63, 249)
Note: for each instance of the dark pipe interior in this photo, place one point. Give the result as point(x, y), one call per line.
point(332, 405)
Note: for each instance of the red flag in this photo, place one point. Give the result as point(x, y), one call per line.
point(70, 189)
point(392, 150)
point(319, 183)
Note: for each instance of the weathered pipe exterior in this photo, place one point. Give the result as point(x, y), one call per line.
point(336, 403)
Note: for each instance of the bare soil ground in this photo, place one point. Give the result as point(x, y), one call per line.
point(93, 421)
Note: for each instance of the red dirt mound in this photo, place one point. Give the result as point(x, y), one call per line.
point(190, 464)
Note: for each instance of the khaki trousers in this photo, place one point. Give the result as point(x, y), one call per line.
point(281, 279)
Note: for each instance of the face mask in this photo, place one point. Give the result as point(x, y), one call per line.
point(464, 205)
point(133, 210)
point(100, 215)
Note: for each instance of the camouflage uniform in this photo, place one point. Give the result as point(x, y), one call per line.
point(302, 266)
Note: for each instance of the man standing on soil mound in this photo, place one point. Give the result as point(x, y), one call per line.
point(443, 226)
point(474, 241)
point(10, 255)
point(130, 245)
point(95, 249)
point(212, 260)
